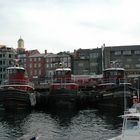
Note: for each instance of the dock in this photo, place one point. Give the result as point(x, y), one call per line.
point(79, 100)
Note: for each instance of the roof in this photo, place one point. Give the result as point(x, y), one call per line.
point(131, 115)
point(36, 55)
point(108, 69)
point(32, 52)
point(21, 68)
point(20, 39)
point(61, 69)
point(51, 55)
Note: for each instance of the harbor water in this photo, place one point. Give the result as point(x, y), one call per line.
point(85, 124)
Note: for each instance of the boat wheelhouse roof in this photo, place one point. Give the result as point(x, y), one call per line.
point(63, 69)
point(114, 69)
point(129, 115)
point(19, 68)
point(106, 84)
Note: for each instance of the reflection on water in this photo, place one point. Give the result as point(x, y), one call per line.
point(60, 124)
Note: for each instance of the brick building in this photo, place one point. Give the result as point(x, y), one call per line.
point(7, 59)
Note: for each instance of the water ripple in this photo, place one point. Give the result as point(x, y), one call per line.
point(60, 125)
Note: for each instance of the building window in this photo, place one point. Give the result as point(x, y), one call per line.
point(117, 52)
point(82, 57)
point(137, 65)
point(49, 60)
point(35, 72)
point(94, 55)
point(10, 55)
point(35, 59)
point(126, 52)
point(47, 66)
point(39, 59)
point(39, 65)
point(35, 65)
point(24, 65)
point(81, 64)
point(137, 52)
point(93, 64)
point(39, 72)
point(3, 62)
point(31, 73)
point(30, 65)
point(129, 60)
point(10, 62)
point(127, 66)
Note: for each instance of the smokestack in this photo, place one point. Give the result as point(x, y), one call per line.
point(45, 51)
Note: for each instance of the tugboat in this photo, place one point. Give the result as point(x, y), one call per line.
point(63, 91)
point(114, 91)
point(16, 91)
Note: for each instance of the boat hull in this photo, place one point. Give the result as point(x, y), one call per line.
point(115, 98)
point(15, 99)
point(62, 98)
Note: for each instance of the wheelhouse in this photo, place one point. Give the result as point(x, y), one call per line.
point(16, 75)
point(62, 75)
point(113, 75)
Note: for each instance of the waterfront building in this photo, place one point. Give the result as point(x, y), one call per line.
point(54, 61)
point(94, 61)
point(87, 61)
point(51, 63)
point(7, 58)
point(127, 57)
point(36, 69)
point(65, 59)
point(81, 61)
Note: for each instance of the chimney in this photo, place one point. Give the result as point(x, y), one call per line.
point(45, 51)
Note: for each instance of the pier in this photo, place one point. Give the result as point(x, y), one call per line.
point(81, 99)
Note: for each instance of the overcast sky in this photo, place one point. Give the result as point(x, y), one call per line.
point(65, 25)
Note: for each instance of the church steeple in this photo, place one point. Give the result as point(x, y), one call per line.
point(20, 48)
point(20, 43)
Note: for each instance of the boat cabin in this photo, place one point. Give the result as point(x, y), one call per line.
point(16, 75)
point(131, 126)
point(62, 75)
point(113, 75)
point(63, 81)
point(112, 78)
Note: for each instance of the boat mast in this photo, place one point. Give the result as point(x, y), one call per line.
point(125, 102)
point(102, 47)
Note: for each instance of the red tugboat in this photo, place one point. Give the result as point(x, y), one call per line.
point(16, 90)
point(63, 90)
point(115, 91)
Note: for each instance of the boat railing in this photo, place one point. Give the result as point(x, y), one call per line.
point(110, 80)
point(114, 80)
point(18, 82)
point(62, 80)
point(122, 80)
